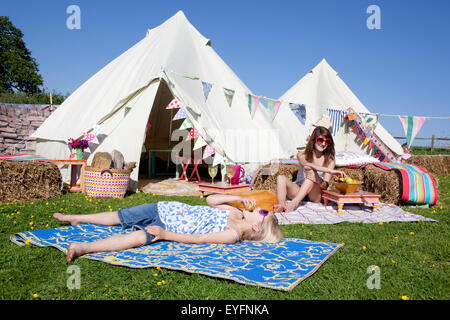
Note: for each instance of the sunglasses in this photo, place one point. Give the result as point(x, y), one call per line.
point(321, 140)
point(264, 213)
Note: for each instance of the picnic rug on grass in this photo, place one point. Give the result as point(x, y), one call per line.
point(280, 266)
point(417, 184)
point(317, 213)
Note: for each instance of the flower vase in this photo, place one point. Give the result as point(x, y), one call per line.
point(79, 154)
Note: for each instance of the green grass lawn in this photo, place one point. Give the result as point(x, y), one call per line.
point(413, 259)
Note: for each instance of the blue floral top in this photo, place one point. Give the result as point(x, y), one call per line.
point(183, 218)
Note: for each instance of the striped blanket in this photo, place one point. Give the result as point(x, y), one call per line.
point(417, 184)
point(22, 157)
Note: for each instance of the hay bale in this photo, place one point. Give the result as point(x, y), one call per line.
point(386, 183)
point(432, 164)
point(269, 182)
point(29, 180)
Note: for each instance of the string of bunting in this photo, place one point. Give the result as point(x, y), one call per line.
point(363, 124)
point(366, 133)
point(271, 106)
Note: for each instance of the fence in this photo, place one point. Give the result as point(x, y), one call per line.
point(433, 140)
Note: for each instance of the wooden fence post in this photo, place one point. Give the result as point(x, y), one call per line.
point(432, 142)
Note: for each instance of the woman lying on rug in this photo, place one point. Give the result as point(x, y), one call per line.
point(315, 170)
point(176, 221)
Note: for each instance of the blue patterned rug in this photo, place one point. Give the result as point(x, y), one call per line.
point(279, 266)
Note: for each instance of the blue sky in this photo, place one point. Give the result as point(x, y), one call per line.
point(403, 68)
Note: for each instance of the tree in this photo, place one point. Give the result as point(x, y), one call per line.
point(18, 69)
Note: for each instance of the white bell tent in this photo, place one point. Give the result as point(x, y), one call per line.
point(321, 89)
point(173, 60)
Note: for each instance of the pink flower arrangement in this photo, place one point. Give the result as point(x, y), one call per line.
point(78, 144)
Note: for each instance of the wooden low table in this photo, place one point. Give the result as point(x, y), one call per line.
point(361, 197)
point(73, 173)
point(221, 187)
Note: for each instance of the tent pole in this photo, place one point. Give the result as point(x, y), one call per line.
point(170, 132)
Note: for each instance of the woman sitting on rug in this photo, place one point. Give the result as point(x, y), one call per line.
point(176, 221)
point(314, 173)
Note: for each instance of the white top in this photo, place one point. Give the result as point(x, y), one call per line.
point(183, 218)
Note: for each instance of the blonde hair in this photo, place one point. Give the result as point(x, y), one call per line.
point(270, 231)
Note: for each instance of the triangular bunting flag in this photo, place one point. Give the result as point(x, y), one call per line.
point(336, 118)
point(193, 133)
point(253, 102)
point(187, 124)
point(206, 89)
point(229, 94)
point(174, 104)
point(97, 129)
point(412, 126)
point(199, 143)
point(209, 151)
point(273, 106)
point(180, 115)
point(218, 159)
point(88, 136)
point(300, 111)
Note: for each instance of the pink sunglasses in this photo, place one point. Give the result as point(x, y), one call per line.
point(321, 140)
point(264, 213)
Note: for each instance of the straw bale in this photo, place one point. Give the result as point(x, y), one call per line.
point(386, 183)
point(29, 180)
point(432, 164)
point(269, 182)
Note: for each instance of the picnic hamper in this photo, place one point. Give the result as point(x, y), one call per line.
point(106, 183)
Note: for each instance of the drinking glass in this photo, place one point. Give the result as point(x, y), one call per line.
point(212, 171)
point(230, 172)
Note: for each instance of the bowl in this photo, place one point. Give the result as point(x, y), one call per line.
point(347, 188)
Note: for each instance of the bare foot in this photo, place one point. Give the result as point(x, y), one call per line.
point(60, 217)
point(75, 250)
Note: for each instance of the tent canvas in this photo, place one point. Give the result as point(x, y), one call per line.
point(172, 60)
point(322, 88)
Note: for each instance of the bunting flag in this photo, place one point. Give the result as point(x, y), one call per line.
point(193, 133)
point(97, 129)
point(181, 114)
point(299, 110)
point(336, 119)
point(218, 159)
point(370, 120)
point(412, 126)
point(206, 89)
point(273, 106)
point(199, 143)
point(229, 94)
point(174, 104)
point(368, 136)
point(253, 102)
point(209, 151)
point(88, 136)
point(187, 124)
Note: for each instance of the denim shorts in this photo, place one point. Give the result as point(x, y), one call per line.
point(140, 217)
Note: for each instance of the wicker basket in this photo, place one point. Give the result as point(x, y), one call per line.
point(106, 183)
point(347, 188)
